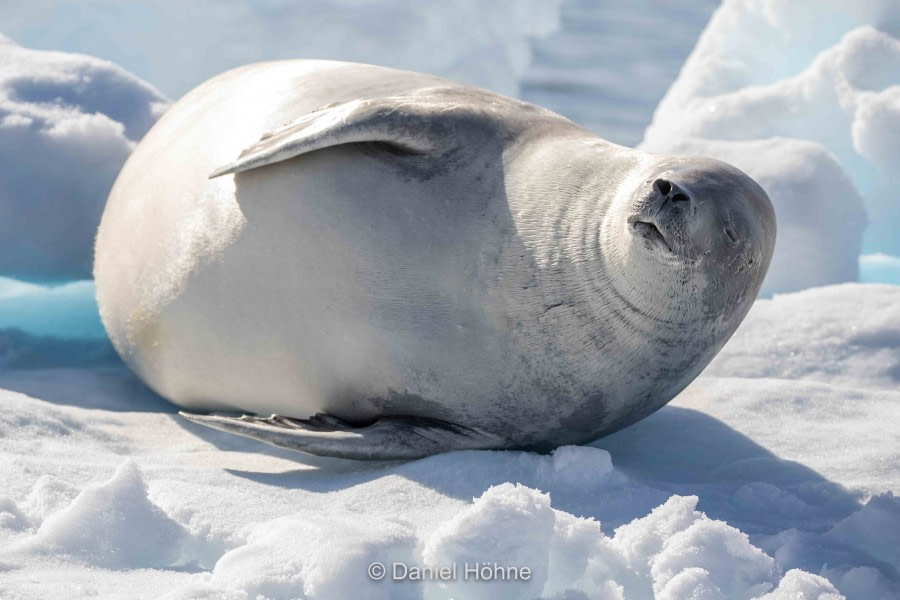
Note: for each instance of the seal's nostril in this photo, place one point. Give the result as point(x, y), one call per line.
point(663, 186)
point(679, 197)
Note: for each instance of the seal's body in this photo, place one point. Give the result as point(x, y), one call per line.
point(406, 265)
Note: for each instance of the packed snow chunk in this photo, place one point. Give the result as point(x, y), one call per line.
point(676, 549)
point(879, 267)
point(874, 529)
point(736, 568)
point(67, 123)
point(113, 525)
point(508, 528)
point(800, 585)
point(642, 539)
point(823, 71)
point(576, 467)
point(319, 556)
point(820, 214)
point(583, 558)
point(694, 583)
point(843, 334)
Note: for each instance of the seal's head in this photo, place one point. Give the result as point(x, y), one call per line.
point(703, 230)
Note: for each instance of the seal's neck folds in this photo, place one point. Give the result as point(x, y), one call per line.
point(574, 223)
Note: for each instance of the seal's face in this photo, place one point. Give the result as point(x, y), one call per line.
point(706, 220)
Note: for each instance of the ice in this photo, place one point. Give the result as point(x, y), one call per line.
point(606, 68)
point(865, 583)
point(67, 123)
point(806, 98)
point(814, 246)
point(65, 310)
point(876, 528)
point(683, 504)
point(845, 334)
point(773, 476)
point(484, 43)
point(321, 545)
point(879, 267)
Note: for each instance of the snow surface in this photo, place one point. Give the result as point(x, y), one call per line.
point(67, 123)
point(774, 475)
point(771, 476)
point(804, 97)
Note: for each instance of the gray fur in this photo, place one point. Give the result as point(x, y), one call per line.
point(431, 265)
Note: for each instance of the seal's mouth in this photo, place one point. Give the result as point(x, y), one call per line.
point(649, 231)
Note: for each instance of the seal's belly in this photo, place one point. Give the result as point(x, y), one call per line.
point(345, 291)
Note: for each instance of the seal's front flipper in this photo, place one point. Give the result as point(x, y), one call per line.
point(428, 123)
point(388, 438)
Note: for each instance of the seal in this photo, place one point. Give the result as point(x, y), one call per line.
point(397, 265)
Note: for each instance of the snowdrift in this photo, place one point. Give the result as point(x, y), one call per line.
point(804, 97)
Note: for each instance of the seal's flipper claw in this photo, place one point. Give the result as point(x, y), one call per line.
point(388, 438)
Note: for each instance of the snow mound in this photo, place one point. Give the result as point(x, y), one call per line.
point(11, 515)
point(684, 552)
point(875, 527)
point(484, 43)
point(578, 70)
point(765, 76)
point(509, 525)
point(800, 585)
point(845, 334)
point(112, 525)
point(49, 495)
point(819, 212)
point(697, 510)
point(674, 552)
point(67, 123)
point(302, 555)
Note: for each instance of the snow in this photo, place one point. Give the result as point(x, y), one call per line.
point(484, 43)
point(111, 525)
point(607, 68)
point(67, 123)
point(806, 100)
point(773, 473)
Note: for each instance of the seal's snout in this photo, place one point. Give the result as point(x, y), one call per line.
point(664, 214)
point(669, 196)
point(670, 192)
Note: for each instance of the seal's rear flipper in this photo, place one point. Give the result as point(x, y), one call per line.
point(388, 438)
